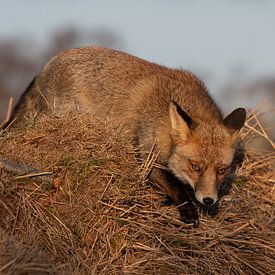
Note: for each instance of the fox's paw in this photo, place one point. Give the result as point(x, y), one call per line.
point(167, 201)
point(212, 210)
point(189, 214)
point(190, 220)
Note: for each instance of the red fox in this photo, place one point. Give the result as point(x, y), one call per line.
point(153, 104)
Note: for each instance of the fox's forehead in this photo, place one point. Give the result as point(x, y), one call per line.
point(211, 145)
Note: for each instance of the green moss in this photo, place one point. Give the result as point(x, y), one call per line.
point(240, 182)
point(77, 233)
point(121, 223)
point(47, 186)
point(178, 243)
point(167, 268)
point(97, 162)
point(65, 162)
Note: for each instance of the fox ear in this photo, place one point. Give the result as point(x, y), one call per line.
point(180, 121)
point(236, 119)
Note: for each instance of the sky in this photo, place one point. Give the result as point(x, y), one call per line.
point(214, 38)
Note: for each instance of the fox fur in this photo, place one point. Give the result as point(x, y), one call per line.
point(153, 105)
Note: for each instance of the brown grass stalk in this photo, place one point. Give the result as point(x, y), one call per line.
point(103, 217)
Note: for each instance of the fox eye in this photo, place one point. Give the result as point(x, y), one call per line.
point(196, 168)
point(220, 171)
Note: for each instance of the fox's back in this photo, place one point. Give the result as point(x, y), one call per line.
point(93, 75)
point(103, 80)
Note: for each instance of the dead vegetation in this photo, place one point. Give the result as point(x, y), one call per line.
point(98, 215)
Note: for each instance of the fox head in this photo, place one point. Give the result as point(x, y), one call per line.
point(202, 152)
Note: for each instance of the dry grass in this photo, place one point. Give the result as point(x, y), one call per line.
point(100, 216)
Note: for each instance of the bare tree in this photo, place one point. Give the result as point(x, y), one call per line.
point(21, 60)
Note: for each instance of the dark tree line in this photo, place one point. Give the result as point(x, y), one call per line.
point(21, 59)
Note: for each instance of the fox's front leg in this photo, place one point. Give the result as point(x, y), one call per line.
point(187, 208)
point(188, 212)
point(178, 192)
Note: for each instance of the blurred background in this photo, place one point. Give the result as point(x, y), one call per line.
point(230, 44)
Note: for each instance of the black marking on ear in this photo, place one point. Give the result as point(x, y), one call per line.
point(236, 119)
point(184, 116)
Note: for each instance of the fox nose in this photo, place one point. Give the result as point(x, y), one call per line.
point(208, 201)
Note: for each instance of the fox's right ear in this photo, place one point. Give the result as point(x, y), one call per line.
point(180, 121)
point(235, 120)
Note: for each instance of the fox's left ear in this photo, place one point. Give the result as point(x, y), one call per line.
point(181, 122)
point(235, 120)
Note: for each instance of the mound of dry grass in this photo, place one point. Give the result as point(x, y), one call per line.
point(97, 214)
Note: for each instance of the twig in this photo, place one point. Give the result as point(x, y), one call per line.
point(31, 175)
point(263, 131)
point(9, 112)
point(24, 171)
point(8, 264)
point(107, 186)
